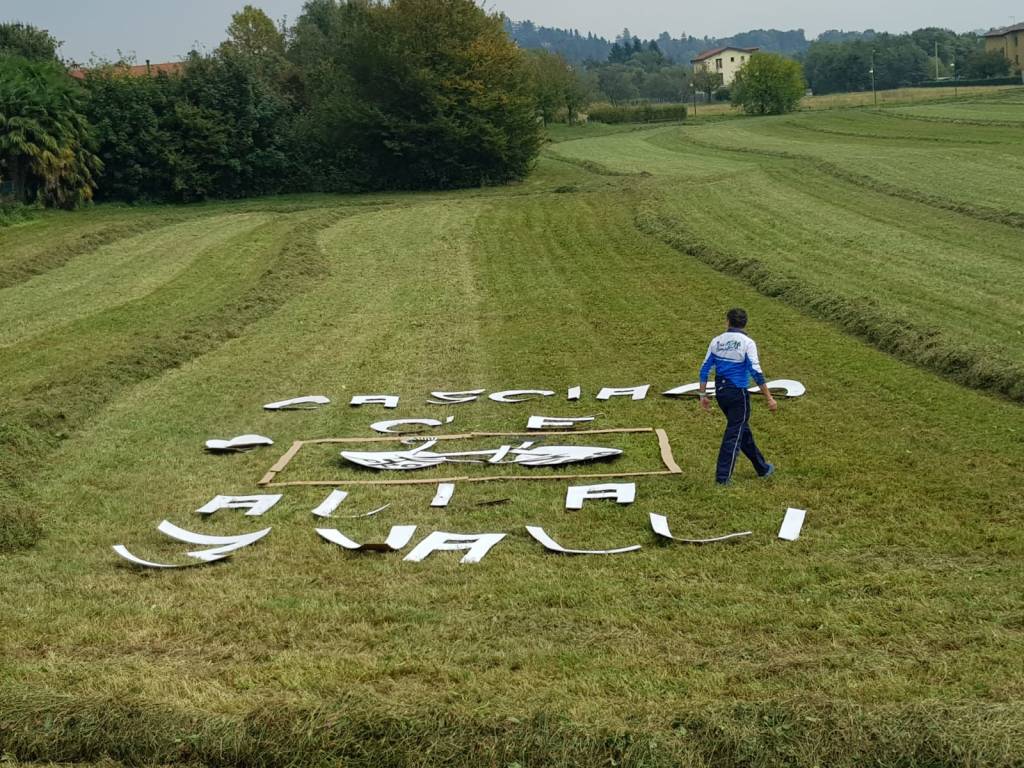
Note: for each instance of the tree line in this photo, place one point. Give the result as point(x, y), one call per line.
point(847, 64)
point(354, 96)
point(629, 69)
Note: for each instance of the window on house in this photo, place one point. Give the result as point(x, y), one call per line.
point(743, 58)
point(718, 63)
point(732, 59)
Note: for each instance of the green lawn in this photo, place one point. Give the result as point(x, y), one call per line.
point(890, 634)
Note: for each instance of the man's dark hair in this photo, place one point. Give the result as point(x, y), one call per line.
point(737, 317)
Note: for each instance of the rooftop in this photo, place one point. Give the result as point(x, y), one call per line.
point(716, 51)
point(1005, 30)
point(139, 70)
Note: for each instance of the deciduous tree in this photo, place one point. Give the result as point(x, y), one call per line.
point(32, 43)
point(768, 85)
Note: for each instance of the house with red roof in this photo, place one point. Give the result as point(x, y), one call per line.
point(725, 61)
point(140, 70)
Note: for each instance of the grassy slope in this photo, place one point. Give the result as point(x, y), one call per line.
point(766, 198)
point(890, 632)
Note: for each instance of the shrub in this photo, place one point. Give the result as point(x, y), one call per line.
point(412, 94)
point(768, 85)
point(639, 113)
point(45, 140)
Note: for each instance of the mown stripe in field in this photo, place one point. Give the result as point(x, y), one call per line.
point(112, 274)
point(57, 381)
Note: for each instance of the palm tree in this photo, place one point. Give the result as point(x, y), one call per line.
point(44, 138)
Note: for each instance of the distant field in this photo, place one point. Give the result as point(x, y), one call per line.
point(866, 99)
point(1007, 111)
point(896, 228)
point(880, 260)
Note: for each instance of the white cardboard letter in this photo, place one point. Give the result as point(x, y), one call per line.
point(636, 393)
point(555, 422)
point(623, 493)
point(388, 401)
point(256, 505)
point(478, 544)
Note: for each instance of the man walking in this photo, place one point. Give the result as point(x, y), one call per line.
point(733, 355)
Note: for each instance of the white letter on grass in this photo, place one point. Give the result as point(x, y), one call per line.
point(636, 393)
point(478, 544)
point(623, 493)
point(256, 505)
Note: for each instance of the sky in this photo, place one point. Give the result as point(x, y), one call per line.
point(159, 30)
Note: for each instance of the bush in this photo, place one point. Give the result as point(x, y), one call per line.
point(412, 94)
point(45, 140)
point(639, 113)
point(723, 94)
point(219, 130)
point(768, 85)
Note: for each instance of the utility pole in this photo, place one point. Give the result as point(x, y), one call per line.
point(936, 59)
point(693, 88)
point(874, 93)
point(952, 65)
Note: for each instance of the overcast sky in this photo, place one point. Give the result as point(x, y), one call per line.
point(162, 30)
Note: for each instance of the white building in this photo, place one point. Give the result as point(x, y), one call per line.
point(724, 61)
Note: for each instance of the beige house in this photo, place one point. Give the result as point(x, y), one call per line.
point(724, 61)
point(1009, 41)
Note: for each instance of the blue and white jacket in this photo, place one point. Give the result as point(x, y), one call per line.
point(733, 355)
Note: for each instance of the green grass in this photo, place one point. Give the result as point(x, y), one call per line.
point(889, 634)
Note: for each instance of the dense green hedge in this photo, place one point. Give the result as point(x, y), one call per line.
point(1015, 80)
point(639, 113)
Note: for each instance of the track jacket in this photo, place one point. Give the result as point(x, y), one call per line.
point(733, 355)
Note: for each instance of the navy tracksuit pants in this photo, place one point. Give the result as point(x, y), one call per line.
point(735, 404)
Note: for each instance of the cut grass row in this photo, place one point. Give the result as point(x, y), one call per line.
point(911, 274)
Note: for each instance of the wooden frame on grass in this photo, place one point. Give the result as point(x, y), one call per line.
point(671, 467)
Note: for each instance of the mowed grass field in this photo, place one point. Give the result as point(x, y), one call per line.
point(890, 633)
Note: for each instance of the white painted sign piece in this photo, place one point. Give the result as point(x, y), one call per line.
point(328, 505)
point(398, 537)
point(623, 493)
point(388, 401)
point(454, 398)
point(551, 545)
point(519, 395)
point(256, 505)
point(574, 393)
point(792, 523)
point(443, 495)
point(633, 393)
point(389, 427)
point(556, 422)
point(788, 387)
point(237, 444)
point(525, 454)
point(311, 401)
point(222, 545)
point(477, 544)
point(659, 523)
point(122, 551)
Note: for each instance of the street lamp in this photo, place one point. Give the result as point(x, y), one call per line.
point(693, 89)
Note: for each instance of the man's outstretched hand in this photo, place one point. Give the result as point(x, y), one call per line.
point(705, 403)
point(772, 405)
